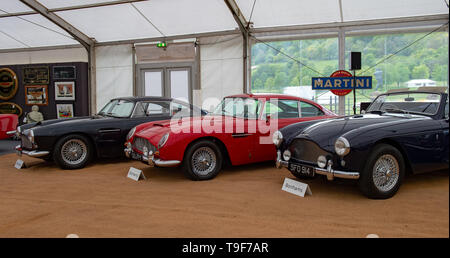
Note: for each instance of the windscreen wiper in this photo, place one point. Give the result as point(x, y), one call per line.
point(395, 110)
point(379, 112)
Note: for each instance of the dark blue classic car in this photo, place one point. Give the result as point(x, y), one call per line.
point(403, 131)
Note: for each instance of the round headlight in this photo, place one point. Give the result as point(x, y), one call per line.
point(342, 146)
point(131, 133)
point(277, 138)
point(286, 155)
point(163, 140)
point(321, 161)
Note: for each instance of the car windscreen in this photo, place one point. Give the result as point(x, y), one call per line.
point(411, 102)
point(238, 107)
point(118, 108)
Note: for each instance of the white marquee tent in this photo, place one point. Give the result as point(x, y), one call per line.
point(111, 21)
point(108, 30)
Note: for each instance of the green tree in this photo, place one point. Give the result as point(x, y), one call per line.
point(295, 82)
point(280, 80)
point(258, 84)
point(269, 58)
point(368, 59)
point(269, 84)
point(402, 73)
point(294, 71)
point(440, 73)
point(420, 72)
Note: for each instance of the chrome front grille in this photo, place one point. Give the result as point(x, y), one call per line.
point(139, 144)
point(26, 144)
point(306, 150)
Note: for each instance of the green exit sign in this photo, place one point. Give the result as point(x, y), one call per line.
point(162, 44)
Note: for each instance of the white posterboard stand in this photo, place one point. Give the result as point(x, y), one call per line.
point(296, 187)
point(136, 174)
point(20, 164)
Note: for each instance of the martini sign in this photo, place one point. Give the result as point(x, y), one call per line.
point(341, 83)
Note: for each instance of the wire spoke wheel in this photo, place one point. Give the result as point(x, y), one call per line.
point(386, 173)
point(74, 151)
point(203, 161)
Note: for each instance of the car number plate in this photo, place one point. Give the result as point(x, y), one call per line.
point(302, 169)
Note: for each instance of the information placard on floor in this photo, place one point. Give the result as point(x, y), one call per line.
point(296, 187)
point(135, 174)
point(19, 164)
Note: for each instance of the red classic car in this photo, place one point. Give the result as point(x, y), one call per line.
point(238, 132)
point(8, 125)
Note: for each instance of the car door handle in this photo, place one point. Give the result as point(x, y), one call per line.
point(240, 135)
point(109, 130)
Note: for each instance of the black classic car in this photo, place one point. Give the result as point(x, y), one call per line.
point(73, 142)
point(404, 131)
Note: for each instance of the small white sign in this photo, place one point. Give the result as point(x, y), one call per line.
point(135, 174)
point(19, 164)
point(296, 187)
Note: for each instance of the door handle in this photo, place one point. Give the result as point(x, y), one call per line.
point(240, 135)
point(109, 130)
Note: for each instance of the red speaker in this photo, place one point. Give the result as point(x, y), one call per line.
point(355, 61)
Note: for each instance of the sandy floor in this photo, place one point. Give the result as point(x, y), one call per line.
point(246, 201)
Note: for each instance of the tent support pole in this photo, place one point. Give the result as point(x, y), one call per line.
point(245, 30)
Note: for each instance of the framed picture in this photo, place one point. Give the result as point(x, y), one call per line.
point(64, 90)
point(64, 72)
point(64, 110)
point(36, 75)
point(36, 95)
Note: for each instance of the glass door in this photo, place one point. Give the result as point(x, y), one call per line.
point(153, 82)
point(169, 81)
point(179, 83)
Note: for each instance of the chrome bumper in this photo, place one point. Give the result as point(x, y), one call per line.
point(329, 172)
point(11, 133)
point(281, 163)
point(33, 153)
point(151, 160)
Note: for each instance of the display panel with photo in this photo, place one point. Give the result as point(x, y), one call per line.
point(36, 75)
point(36, 95)
point(64, 110)
point(64, 90)
point(64, 72)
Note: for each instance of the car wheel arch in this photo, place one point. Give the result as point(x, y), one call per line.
point(399, 147)
point(89, 137)
point(216, 140)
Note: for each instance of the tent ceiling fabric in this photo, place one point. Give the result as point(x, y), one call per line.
point(383, 9)
point(110, 23)
point(274, 13)
point(188, 16)
point(13, 6)
point(32, 31)
point(129, 20)
point(52, 4)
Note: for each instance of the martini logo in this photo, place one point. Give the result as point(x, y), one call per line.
point(8, 83)
point(341, 83)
